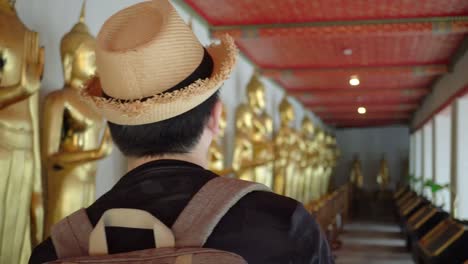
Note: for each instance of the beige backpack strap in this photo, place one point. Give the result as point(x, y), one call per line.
point(198, 220)
point(70, 236)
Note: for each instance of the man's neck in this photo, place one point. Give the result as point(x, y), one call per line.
point(194, 158)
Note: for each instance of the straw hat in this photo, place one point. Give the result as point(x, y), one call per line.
point(152, 67)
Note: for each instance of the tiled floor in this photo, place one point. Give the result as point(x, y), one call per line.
point(369, 243)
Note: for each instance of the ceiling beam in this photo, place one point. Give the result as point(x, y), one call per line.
point(368, 116)
point(348, 108)
point(416, 70)
point(434, 20)
point(357, 93)
point(362, 102)
point(370, 124)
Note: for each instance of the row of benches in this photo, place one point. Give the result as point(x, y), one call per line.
point(331, 212)
point(431, 234)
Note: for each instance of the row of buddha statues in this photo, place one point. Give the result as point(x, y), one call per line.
point(294, 162)
point(357, 178)
point(49, 156)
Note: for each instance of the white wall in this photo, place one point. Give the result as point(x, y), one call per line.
point(53, 18)
point(371, 144)
point(412, 154)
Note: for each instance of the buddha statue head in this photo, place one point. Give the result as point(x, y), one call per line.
point(329, 140)
point(287, 114)
point(256, 94)
point(78, 54)
point(244, 119)
point(11, 44)
point(320, 136)
point(307, 127)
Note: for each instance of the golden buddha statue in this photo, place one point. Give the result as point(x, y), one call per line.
point(21, 67)
point(317, 169)
point(322, 166)
point(216, 150)
point(307, 160)
point(262, 132)
point(357, 179)
point(71, 131)
point(383, 178)
point(243, 155)
point(286, 151)
point(330, 161)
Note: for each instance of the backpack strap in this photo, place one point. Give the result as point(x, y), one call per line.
point(198, 220)
point(70, 236)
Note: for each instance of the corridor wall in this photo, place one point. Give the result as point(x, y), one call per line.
point(371, 144)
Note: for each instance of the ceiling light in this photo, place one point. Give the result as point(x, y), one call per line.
point(348, 52)
point(362, 110)
point(354, 80)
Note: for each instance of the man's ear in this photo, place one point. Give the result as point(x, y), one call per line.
point(213, 123)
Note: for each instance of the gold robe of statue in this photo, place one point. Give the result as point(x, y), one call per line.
point(307, 160)
point(243, 155)
point(262, 132)
point(71, 132)
point(21, 66)
point(216, 153)
point(383, 178)
point(357, 179)
point(286, 152)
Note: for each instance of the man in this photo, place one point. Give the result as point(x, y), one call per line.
point(158, 87)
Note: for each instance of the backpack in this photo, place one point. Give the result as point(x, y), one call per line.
point(76, 241)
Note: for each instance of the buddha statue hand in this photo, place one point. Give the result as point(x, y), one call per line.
point(37, 217)
point(106, 144)
point(33, 63)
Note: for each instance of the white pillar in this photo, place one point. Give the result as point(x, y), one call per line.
point(427, 154)
point(433, 155)
point(423, 161)
point(443, 156)
point(418, 158)
point(454, 160)
point(461, 164)
point(412, 155)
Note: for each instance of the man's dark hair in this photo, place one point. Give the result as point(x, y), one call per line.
point(177, 135)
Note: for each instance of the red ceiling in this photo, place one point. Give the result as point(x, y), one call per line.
point(248, 12)
point(301, 43)
point(372, 45)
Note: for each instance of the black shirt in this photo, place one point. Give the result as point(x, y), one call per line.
point(262, 227)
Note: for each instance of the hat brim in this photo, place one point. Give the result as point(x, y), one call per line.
point(165, 105)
